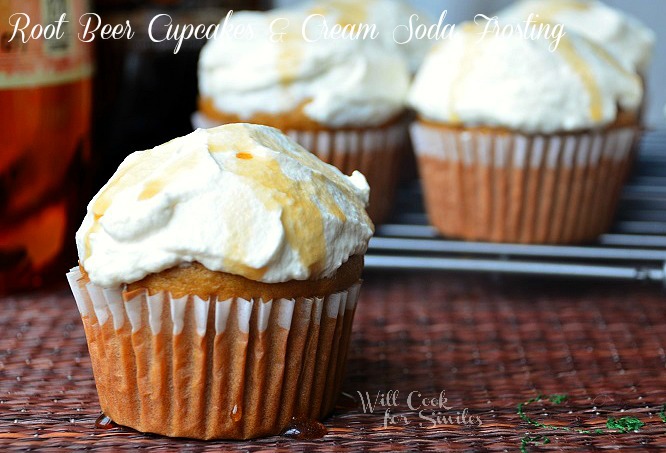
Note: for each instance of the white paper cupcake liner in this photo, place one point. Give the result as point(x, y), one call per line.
point(208, 368)
point(509, 187)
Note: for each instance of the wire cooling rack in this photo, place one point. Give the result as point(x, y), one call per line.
point(634, 249)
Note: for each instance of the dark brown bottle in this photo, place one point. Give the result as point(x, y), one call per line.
point(144, 94)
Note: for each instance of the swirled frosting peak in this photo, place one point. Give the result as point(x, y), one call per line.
point(240, 198)
point(622, 35)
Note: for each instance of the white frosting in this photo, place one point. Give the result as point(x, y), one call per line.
point(520, 84)
point(392, 19)
point(340, 82)
point(240, 198)
point(620, 34)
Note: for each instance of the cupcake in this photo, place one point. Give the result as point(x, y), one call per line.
point(343, 99)
point(522, 140)
point(623, 36)
point(217, 283)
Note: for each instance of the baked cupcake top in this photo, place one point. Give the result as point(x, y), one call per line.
point(391, 18)
point(521, 84)
point(622, 35)
point(241, 199)
point(274, 69)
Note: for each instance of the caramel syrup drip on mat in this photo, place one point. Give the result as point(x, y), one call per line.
point(105, 422)
point(304, 429)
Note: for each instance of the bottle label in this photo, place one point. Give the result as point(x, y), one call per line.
point(37, 48)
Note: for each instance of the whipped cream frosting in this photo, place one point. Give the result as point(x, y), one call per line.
point(519, 84)
point(336, 82)
point(240, 198)
point(391, 18)
point(622, 35)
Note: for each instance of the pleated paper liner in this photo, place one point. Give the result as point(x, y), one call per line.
point(214, 369)
point(375, 151)
point(507, 187)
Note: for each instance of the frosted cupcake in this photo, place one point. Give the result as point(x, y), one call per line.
point(218, 280)
point(342, 99)
point(518, 143)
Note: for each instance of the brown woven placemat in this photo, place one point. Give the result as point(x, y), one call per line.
point(489, 345)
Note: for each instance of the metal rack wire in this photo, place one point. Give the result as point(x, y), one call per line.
point(634, 249)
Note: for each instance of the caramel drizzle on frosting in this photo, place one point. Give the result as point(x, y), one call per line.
point(350, 12)
point(566, 50)
point(575, 61)
point(129, 175)
point(157, 184)
point(290, 54)
point(291, 50)
point(612, 61)
point(124, 177)
point(555, 7)
point(93, 229)
point(578, 64)
point(302, 217)
point(470, 53)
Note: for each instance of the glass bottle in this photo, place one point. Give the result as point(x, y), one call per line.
point(45, 107)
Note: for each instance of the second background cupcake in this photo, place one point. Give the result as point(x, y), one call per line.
point(344, 99)
point(523, 140)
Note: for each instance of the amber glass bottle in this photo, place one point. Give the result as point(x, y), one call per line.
point(45, 108)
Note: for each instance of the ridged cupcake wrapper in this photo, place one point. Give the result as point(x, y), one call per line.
point(212, 369)
point(374, 151)
point(509, 187)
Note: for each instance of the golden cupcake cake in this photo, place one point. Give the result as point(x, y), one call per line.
point(523, 140)
point(217, 284)
point(342, 99)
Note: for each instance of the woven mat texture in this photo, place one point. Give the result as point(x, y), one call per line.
point(488, 345)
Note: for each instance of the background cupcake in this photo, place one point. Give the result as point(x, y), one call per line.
point(218, 280)
point(518, 143)
point(343, 99)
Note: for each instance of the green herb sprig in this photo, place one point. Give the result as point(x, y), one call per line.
point(555, 399)
point(534, 440)
point(624, 424)
point(621, 424)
